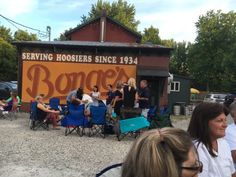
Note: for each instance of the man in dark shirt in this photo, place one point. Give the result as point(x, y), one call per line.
point(109, 98)
point(143, 97)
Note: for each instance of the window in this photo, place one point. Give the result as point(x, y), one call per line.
point(175, 86)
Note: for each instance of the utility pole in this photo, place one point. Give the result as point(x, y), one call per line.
point(49, 33)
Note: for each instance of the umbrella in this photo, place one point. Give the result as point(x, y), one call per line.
point(193, 90)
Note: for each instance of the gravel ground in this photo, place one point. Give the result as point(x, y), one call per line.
point(27, 153)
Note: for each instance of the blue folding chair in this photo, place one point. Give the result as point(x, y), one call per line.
point(54, 103)
point(35, 123)
point(98, 120)
point(75, 120)
point(152, 112)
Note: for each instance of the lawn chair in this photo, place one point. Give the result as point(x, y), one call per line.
point(54, 104)
point(34, 122)
point(10, 111)
point(130, 123)
point(152, 112)
point(98, 120)
point(162, 119)
point(75, 120)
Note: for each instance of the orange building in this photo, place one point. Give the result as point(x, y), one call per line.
point(99, 52)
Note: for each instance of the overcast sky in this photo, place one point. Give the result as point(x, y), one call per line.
point(174, 18)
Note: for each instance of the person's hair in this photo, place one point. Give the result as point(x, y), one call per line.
point(144, 81)
point(79, 93)
point(95, 86)
point(132, 82)
point(14, 94)
point(158, 153)
point(232, 109)
point(119, 85)
point(38, 97)
point(199, 123)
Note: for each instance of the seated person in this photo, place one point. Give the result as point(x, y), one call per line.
point(10, 103)
point(44, 113)
point(76, 97)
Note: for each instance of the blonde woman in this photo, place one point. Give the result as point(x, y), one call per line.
point(130, 93)
point(168, 152)
point(43, 112)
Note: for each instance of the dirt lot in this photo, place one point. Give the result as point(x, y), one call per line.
point(27, 153)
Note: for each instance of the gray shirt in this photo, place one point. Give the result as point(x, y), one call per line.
point(70, 95)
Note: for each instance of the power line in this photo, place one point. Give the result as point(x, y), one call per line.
point(40, 33)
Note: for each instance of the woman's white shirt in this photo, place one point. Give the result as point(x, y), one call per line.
point(220, 166)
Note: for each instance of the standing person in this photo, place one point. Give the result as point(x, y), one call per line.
point(129, 93)
point(95, 96)
point(143, 97)
point(109, 99)
point(117, 102)
point(231, 132)
point(207, 128)
point(167, 152)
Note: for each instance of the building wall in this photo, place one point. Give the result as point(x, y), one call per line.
point(89, 32)
point(183, 96)
point(154, 61)
point(115, 33)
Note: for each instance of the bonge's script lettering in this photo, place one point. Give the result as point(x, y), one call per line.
point(39, 76)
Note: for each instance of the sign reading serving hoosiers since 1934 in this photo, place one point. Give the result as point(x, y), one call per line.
point(55, 74)
point(80, 58)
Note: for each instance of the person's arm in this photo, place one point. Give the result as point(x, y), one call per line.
point(2, 104)
point(8, 100)
point(234, 174)
point(99, 95)
point(43, 108)
point(77, 99)
point(233, 153)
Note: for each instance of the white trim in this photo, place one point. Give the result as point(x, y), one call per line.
point(175, 85)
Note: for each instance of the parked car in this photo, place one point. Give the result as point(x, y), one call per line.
point(6, 88)
point(229, 99)
point(215, 98)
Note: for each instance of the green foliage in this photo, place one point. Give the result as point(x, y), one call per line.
point(5, 33)
point(179, 58)
point(119, 10)
point(8, 61)
point(151, 34)
point(212, 57)
point(21, 35)
point(8, 58)
point(168, 43)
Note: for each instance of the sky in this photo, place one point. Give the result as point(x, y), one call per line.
point(175, 19)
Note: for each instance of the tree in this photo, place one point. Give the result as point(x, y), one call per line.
point(8, 61)
point(168, 43)
point(151, 34)
point(5, 34)
point(179, 59)
point(212, 57)
point(21, 35)
point(119, 10)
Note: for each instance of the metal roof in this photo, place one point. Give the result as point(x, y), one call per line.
point(109, 18)
point(91, 44)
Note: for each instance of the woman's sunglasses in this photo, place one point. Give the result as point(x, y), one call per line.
point(198, 167)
